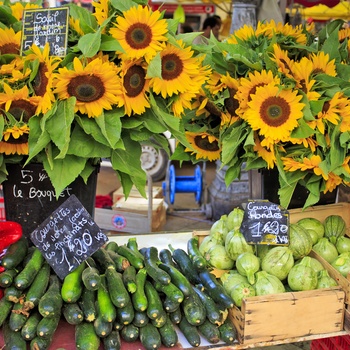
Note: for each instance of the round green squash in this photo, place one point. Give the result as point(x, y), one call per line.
point(300, 241)
point(334, 227)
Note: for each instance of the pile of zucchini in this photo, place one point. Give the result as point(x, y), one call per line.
point(119, 293)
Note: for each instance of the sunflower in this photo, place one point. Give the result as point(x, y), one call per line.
point(332, 111)
point(10, 42)
point(43, 81)
point(301, 72)
point(274, 112)
point(18, 8)
point(134, 87)
point(322, 64)
point(244, 33)
point(101, 10)
point(18, 103)
point(332, 182)
point(15, 140)
point(283, 31)
point(283, 62)
point(203, 145)
point(179, 71)
point(95, 86)
point(140, 32)
point(181, 102)
point(267, 154)
point(249, 85)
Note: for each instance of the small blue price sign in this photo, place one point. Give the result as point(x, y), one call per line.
point(265, 223)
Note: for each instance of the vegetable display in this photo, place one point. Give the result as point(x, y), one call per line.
point(119, 294)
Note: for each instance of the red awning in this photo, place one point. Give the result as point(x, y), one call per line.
point(310, 3)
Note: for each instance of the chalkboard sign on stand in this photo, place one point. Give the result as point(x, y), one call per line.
point(41, 26)
point(265, 223)
point(68, 237)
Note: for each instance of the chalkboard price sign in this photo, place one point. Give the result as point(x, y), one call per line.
point(41, 26)
point(265, 223)
point(68, 237)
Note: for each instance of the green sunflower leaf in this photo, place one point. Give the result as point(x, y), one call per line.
point(89, 44)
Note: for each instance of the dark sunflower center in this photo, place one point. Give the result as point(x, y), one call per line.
point(204, 144)
point(40, 82)
point(172, 66)
point(86, 88)
point(22, 139)
point(326, 106)
point(253, 90)
point(231, 103)
point(212, 109)
point(22, 109)
point(274, 111)
point(139, 36)
point(10, 48)
point(134, 80)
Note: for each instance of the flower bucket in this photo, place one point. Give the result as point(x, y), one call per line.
point(30, 197)
point(270, 186)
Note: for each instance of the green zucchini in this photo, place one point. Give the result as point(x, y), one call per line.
point(12, 293)
point(209, 331)
point(185, 265)
point(160, 320)
point(198, 260)
point(102, 259)
point(111, 245)
point(214, 314)
point(136, 259)
point(170, 304)
point(151, 266)
point(116, 288)
point(106, 308)
point(140, 318)
point(7, 277)
point(130, 333)
point(86, 337)
point(170, 290)
point(51, 302)
point(125, 314)
point(18, 317)
point(47, 326)
point(194, 310)
point(15, 253)
point(112, 341)
point(228, 332)
point(168, 334)
point(72, 313)
point(121, 262)
point(38, 287)
point(166, 257)
point(28, 330)
point(72, 285)
point(139, 298)
point(12, 339)
point(87, 304)
point(175, 316)
point(91, 278)
point(190, 332)
point(132, 244)
point(102, 327)
point(40, 343)
point(155, 306)
point(26, 276)
point(5, 307)
point(178, 279)
point(150, 337)
point(129, 279)
point(215, 290)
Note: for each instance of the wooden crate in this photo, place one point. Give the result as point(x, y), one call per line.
point(134, 217)
point(282, 316)
point(156, 192)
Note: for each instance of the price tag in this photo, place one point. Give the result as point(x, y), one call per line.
point(265, 223)
point(41, 26)
point(68, 237)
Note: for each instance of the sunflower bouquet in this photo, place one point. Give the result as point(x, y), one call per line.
point(126, 78)
point(278, 98)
